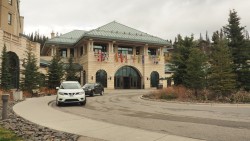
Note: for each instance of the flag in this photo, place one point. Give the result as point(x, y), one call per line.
point(121, 56)
point(98, 56)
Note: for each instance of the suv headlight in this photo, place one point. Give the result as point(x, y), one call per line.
point(60, 93)
point(81, 93)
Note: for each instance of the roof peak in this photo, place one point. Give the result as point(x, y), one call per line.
point(116, 27)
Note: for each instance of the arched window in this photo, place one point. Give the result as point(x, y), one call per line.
point(101, 77)
point(154, 79)
point(14, 69)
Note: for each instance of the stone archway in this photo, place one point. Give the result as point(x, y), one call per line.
point(101, 77)
point(127, 77)
point(14, 69)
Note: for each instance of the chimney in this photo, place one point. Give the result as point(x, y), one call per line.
point(52, 34)
point(21, 22)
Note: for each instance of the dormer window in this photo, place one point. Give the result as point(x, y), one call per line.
point(10, 2)
point(9, 18)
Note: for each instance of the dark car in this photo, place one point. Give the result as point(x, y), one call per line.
point(93, 88)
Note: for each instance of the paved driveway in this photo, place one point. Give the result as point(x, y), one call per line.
point(215, 122)
point(38, 111)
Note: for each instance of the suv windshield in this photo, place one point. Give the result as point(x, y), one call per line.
point(70, 86)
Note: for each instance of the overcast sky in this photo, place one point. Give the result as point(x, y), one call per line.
point(162, 18)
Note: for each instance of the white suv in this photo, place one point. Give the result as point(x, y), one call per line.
point(70, 92)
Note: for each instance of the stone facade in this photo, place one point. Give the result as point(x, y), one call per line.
point(11, 29)
point(85, 55)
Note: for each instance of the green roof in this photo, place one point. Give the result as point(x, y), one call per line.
point(115, 30)
point(111, 31)
point(68, 38)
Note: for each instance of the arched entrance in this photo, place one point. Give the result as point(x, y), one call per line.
point(14, 69)
point(101, 77)
point(127, 78)
point(154, 79)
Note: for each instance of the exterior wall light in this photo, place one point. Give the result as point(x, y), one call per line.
point(110, 77)
point(91, 77)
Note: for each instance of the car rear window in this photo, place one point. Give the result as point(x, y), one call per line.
point(88, 85)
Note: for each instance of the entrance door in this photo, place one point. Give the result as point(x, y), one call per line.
point(126, 81)
point(127, 78)
point(154, 79)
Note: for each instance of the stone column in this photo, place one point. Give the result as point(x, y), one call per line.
point(5, 98)
point(134, 50)
point(52, 50)
point(75, 52)
point(68, 52)
point(92, 45)
point(146, 49)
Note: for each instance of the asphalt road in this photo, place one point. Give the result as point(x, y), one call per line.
point(212, 122)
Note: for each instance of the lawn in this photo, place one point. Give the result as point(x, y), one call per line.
point(7, 135)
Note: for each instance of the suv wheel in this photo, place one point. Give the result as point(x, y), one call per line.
point(92, 93)
point(58, 103)
point(84, 102)
point(102, 92)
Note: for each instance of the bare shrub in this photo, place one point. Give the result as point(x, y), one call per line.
point(241, 96)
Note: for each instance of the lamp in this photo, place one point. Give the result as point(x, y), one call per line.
point(91, 77)
point(110, 77)
point(147, 78)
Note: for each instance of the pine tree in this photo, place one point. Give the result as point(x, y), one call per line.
point(196, 70)
point(180, 57)
point(30, 72)
point(71, 71)
point(221, 77)
point(5, 73)
point(55, 72)
point(239, 49)
point(31, 37)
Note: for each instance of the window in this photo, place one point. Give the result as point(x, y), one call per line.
point(125, 50)
point(137, 51)
point(10, 2)
point(72, 52)
point(9, 19)
point(152, 51)
point(81, 50)
point(63, 52)
point(100, 47)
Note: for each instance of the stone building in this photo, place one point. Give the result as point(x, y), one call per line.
point(115, 55)
point(11, 35)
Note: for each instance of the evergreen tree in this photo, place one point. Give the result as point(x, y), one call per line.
point(31, 37)
point(244, 72)
point(196, 70)
point(55, 72)
point(30, 72)
point(221, 77)
point(71, 71)
point(239, 49)
point(180, 57)
point(5, 73)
